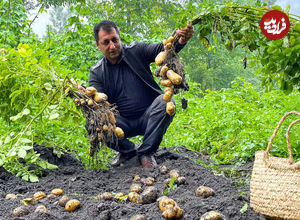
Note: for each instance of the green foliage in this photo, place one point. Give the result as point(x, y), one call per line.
point(232, 124)
point(171, 186)
point(239, 25)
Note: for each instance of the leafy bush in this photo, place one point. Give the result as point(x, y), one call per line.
point(232, 124)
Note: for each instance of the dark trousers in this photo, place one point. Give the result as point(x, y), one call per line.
point(152, 125)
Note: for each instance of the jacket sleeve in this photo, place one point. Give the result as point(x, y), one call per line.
point(149, 50)
point(95, 81)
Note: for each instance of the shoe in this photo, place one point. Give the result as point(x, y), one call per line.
point(121, 158)
point(148, 162)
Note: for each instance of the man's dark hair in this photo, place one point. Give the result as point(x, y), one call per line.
point(106, 25)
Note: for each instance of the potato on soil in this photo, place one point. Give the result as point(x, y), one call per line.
point(148, 195)
point(100, 97)
point(170, 108)
point(136, 178)
point(166, 82)
point(181, 180)
point(105, 128)
point(135, 188)
point(20, 211)
point(11, 196)
point(169, 208)
point(105, 196)
point(146, 182)
point(63, 201)
point(174, 77)
point(41, 209)
point(204, 191)
point(167, 96)
point(39, 195)
point(57, 192)
point(51, 196)
point(174, 173)
point(72, 205)
point(90, 91)
point(163, 71)
point(138, 217)
point(160, 58)
point(163, 169)
point(133, 197)
point(119, 196)
point(119, 132)
point(212, 215)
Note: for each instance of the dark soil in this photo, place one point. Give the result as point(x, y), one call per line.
point(85, 185)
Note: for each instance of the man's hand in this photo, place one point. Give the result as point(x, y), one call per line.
point(185, 34)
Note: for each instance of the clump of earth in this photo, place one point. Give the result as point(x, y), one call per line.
point(84, 185)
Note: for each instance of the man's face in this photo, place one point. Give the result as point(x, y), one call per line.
point(110, 44)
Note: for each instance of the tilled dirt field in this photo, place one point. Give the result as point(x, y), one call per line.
point(85, 185)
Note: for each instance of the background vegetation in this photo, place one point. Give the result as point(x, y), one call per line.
point(232, 110)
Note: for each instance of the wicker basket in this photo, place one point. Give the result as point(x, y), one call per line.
point(275, 182)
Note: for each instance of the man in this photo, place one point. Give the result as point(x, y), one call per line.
point(124, 75)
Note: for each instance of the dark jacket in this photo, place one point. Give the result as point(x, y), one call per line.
point(138, 56)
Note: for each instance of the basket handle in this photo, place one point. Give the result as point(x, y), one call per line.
point(291, 160)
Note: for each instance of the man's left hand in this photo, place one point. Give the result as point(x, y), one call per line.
point(185, 34)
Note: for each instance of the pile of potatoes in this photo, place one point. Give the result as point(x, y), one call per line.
point(70, 205)
point(169, 208)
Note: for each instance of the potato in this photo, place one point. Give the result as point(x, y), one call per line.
point(11, 196)
point(133, 197)
point(90, 91)
point(166, 82)
point(135, 188)
point(82, 102)
point(163, 71)
point(136, 178)
point(146, 182)
point(51, 196)
point(39, 195)
point(167, 96)
point(204, 191)
point(212, 215)
point(100, 97)
point(174, 173)
point(41, 209)
point(138, 217)
point(174, 77)
point(165, 42)
point(169, 208)
point(170, 39)
point(105, 196)
point(63, 201)
point(90, 102)
point(181, 180)
point(169, 213)
point(169, 89)
point(151, 179)
point(160, 58)
point(105, 128)
point(99, 136)
point(119, 132)
point(170, 108)
point(119, 196)
point(163, 169)
point(166, 203)
point(112, 118)
point(20, 211)
point(168, 46)
point(72, 205)
point(148, 195)
point(57, 192)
